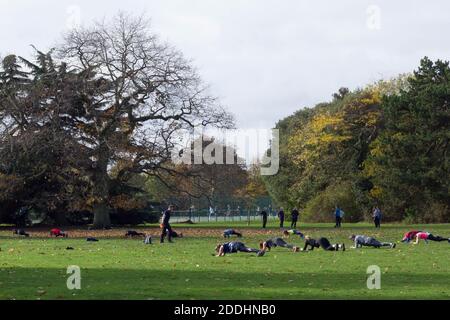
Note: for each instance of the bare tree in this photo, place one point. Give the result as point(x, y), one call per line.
point(138, 96)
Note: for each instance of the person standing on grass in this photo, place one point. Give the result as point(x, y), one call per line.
point(294, 217)
point(235, 247)
point(165, 225)
point(338, 214)
point(365, 241)
point(281, 217)
point(264, 218)
point(376, 215)
point(428, 236)
point(323, 243)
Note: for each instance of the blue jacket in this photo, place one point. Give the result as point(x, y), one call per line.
point(337, 212)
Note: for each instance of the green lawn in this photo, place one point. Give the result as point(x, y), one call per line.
point(116, 268)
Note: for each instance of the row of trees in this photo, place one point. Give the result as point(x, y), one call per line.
point(215, 185)
point(386, 144)
point(90, 127)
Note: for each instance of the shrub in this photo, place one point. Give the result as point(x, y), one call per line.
point(321, 207)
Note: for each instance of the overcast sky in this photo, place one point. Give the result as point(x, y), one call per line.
point(265, 59)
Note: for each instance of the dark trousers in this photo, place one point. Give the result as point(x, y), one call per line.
point(166, 231)
point(377, 244)
point(281, 243)
point(377, 222)
point(264, 222)
point(240, 247)
point(326, 245)
point(294, 224)
point(281, 223)
point(338, 222)
point(436, 238)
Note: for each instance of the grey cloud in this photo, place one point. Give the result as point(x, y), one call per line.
point(265, 59)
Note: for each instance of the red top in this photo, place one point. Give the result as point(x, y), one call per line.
point(55, 231)
point(423, 235)
point(410, 235)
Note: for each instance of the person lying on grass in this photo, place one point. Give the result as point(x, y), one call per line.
point(230, 232)
point(235, 247)
point(132, 234)
point(410, 236)
point(365, 241)
point(148, 239)
point(175, 234)
point(58, 233)
point(425, 236)
point(277, 242)
point(288, 233)
point(323, 243)
point(21, 232)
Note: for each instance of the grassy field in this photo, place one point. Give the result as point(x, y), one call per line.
point(119, 268)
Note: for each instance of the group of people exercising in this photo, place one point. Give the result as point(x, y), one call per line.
point(236, 246)
point(310, 244)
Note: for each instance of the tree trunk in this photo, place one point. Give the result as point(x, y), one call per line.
point(61, 219)
point(101, 216)
point(101, 208)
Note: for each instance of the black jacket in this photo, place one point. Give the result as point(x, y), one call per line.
point(312, 243)
point(166, 217)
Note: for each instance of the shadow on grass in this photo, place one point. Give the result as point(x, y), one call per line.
point(42, 283)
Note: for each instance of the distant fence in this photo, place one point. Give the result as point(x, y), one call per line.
point(204, 216)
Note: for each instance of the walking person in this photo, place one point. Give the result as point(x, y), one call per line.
point(165, 224)
point(377, 217)
point(211, 213)
point(264, 218)
point(294, 218)
point(281, 217)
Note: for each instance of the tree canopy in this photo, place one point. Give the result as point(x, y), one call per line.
point(110, 96)
point(386, 144)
